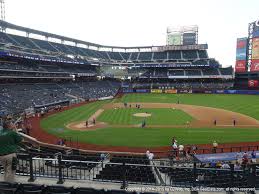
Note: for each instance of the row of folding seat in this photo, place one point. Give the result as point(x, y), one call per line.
point(9, 188)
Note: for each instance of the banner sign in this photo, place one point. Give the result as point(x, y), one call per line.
point(241, 49)
point(250, 92)
point(255, 48)
point(219, 91)
point(240, 66)
point(241, 54)
point(241, 43)
point(189, 38)
point(156, 91)
point(254, 65)
point(171, 91)
point(184, 91)
point(252, 83)
point(127, 91)
point(142, 90)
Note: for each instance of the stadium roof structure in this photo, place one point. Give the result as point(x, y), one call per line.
point(6, 25)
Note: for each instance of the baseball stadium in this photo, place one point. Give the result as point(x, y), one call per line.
point(110, 119)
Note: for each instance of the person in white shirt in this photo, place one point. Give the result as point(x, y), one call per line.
point(149, 155)
point(180, 148)
point(214, 145)
point(225, 166)
point(237, 166)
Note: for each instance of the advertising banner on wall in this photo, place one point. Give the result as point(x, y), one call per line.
point(127, 90)
point(171, 91)
point(256, 29)
point(184, 91)
point(254, 65)
point(241, 54)
point(255, 48)
point(241, 43)
point(156, 91)
point(256, 34)
point(241, 49)
point(240, 66)
point(142, 90)
point(189, 38)
point(253, 83)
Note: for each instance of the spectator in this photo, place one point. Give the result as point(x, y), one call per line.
point(9, 141)
point(149, 155)
point(218, 164)
point(239, 157)
point(225, 166)
point(200, 177)
point(215, 146)
point(174, 146)
point(253, 156)
point(213, 164)
point(61, 142)
point(181, 150)
point(194, 148)
point(237, 166)
point(102, 156)
point(245, 158)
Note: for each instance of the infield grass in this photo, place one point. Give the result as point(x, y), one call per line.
point(159, 116)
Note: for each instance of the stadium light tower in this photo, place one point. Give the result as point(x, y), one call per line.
point(2, 10)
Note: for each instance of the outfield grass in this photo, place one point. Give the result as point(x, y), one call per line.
point(159, 116)
point(245, 104)
point(149, 137)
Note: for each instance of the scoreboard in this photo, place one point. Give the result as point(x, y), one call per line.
point(183, 35)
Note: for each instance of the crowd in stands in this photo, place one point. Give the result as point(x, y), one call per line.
point(34, 69)
point(19, 96)
point(165, 73)
point(188, 85)
point(51, 50)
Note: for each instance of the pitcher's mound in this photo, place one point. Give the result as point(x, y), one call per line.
point(142, 115)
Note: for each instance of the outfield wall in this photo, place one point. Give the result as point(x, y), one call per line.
point(186, 91)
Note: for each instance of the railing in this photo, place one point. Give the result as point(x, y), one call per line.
point(152, 173)
point(202, 150)
point(227, 149)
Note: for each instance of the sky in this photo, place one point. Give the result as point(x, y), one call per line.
point(139, 22)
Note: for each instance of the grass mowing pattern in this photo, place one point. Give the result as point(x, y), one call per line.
point(245, 104)
point(147, 137)
point(60, 120)
point(159, 116)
